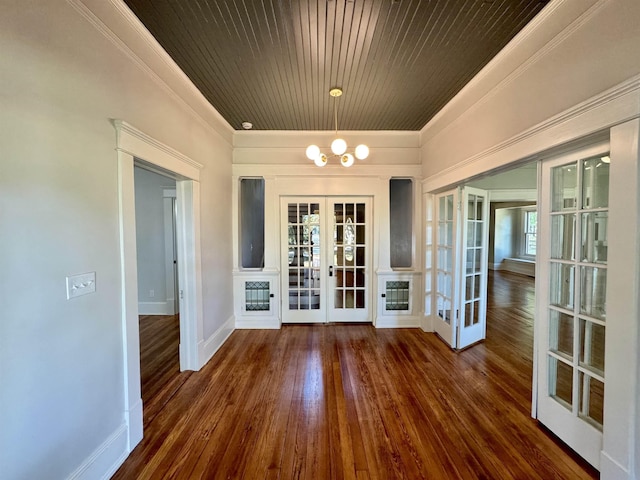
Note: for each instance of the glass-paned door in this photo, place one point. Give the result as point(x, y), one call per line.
point(326, 250)
point(474, 269)
point(461, 266)
point(572, 308)
point(446, 205)
point(303, 260)
point(348, 273)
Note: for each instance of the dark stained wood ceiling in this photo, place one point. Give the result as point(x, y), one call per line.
point(273, 62)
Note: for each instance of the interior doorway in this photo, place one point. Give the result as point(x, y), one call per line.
point(326, 257)
point(158, 284)
point(136, 148)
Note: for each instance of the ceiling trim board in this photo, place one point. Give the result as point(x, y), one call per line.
point(613, 106)
point(139, 29)
point(432, 130)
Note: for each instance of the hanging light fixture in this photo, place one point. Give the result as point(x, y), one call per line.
point(338, 146)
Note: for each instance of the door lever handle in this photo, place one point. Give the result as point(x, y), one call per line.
point(331, 271)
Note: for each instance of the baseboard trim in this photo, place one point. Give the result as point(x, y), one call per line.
point(209, 347)
point(612, 470)
point(267, 323)
point(426, 324)
point(106, 459)
point(155, 308)
point(134, 419)
point(408, 322)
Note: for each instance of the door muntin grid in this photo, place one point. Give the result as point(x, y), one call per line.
point(349, 255)
point(577, 282)
point(473, 255)
point(304, 255)
point(444, 257)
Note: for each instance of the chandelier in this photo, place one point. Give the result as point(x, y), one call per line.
point(338, 146)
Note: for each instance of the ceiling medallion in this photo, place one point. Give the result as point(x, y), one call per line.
point(338, 146)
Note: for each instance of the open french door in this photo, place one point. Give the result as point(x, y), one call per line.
point(461, 261)
point(571, 311)
point(326, 251)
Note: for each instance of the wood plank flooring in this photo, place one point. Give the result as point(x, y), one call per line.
point(354, 402)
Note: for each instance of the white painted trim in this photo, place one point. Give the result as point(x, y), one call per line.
point(202, 106)
point(170, 243)
point(395, 322)
point(155, 308)
point(613, 106)
point(540, 21)
point(140, 145)
point(132, 145)
point(426, 324)
point(514, 265)
point(266, 323)
point(612, 470)
point(134, 420)
point(208, 348)
point(513, 195)
point(189, 273)
point(106, 459)
point(358, 170)
point(621, 371)
point(129, 279)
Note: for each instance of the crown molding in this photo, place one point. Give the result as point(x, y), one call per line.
point(522, 38)
point(203, 108)
point(138, 144)
point(613, 106)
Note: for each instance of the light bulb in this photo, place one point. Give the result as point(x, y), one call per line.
point(338, 146)
point(347, 160)
point(362, 152)
point(320, 160)
point(312, 152)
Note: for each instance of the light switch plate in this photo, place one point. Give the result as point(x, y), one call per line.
point(82, 284)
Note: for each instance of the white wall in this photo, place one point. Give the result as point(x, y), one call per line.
point(64, 76)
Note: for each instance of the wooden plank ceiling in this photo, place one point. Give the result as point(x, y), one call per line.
point(273, 62)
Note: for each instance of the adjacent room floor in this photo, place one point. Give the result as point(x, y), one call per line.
point(350, 401)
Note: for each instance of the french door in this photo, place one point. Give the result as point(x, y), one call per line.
point(325, 257)
point(571, 303)
point(461, 261)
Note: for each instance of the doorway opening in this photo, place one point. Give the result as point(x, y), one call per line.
point(326, 254)
point(158, 286)
point(135, 148)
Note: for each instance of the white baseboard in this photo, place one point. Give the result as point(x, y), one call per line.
point(398, 322)
point(266, 323)
point(612, 470)
point(495, 266)
point(155, 308)
point(106, 459)
point(426, 324)
point(133, 417)
point(517, 265)
point(209, 347)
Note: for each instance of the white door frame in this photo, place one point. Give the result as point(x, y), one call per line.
point(169, 204)
point(134, 146)
point(326, 312)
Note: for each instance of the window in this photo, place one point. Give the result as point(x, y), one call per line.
point(401, 221)
point(530, 228)
point(252, 222)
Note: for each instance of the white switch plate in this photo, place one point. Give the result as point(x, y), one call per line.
point(81, 284)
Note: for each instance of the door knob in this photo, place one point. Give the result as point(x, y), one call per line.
point(331, 271)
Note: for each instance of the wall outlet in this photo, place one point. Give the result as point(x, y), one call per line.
point(152, 293)
point(82, 284)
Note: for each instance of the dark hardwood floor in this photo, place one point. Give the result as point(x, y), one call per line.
point(354, 402)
